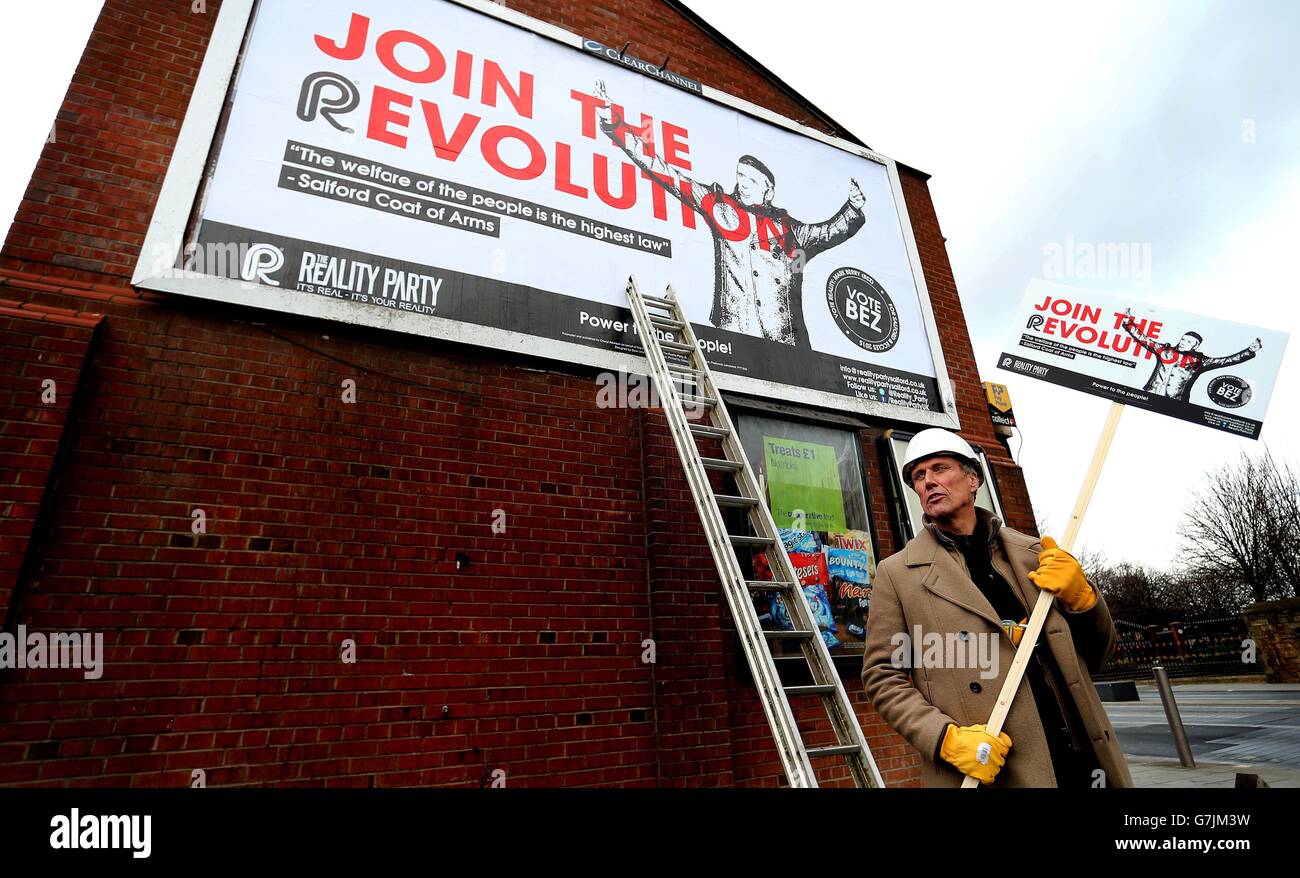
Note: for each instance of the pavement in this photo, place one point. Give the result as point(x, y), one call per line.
point(1232, 727)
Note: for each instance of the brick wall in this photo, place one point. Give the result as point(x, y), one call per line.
point(476, 649)
point(1275, 628)
point(42, 352)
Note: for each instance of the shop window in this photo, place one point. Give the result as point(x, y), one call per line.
point(813, 479)
point(911, 514)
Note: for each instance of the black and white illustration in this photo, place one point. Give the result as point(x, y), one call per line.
point(1179, 365)
point(1092, 342)
point(430, 169)
point(759, 250)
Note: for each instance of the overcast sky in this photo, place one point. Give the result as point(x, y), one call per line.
point(1173, 125)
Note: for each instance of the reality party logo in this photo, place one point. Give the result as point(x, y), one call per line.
point(260, 262)
point(862, 309)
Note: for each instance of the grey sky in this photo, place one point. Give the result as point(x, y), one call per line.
point(1108, 122)
point(40, 45)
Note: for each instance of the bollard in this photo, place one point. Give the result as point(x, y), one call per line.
point(1175, 721)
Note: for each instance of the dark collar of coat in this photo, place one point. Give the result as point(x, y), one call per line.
point(922, 548)
point(947, 580)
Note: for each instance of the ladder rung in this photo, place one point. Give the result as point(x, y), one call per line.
point(733, 500)
point(681, 373)
point(817, 689)
point(837, 750)
point(767, 585)
point(788, 635)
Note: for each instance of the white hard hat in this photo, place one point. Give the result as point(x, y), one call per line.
point(934, 442)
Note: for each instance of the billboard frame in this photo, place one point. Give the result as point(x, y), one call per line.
point(192, 163)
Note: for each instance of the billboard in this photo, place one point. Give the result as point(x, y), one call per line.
point(460, 171)
point(1211, 372)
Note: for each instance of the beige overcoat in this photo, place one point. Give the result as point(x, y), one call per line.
point(926, 588)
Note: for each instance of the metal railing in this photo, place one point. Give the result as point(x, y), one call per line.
point(1201, 648)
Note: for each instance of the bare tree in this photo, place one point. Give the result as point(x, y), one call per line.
point(1282, 487)
point(1193, 595)
point(1241, 530)
point(1136, 593)
point(1040, 522)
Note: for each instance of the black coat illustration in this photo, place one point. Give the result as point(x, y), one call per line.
point(758, 271)
point(1178, 366)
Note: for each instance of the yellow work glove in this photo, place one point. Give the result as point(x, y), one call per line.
point(1060, 574)
point(973, 751)
point(1015, 630)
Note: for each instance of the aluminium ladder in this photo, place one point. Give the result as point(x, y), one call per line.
point(704, 398)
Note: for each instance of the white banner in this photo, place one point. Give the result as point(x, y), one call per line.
point(1201, 369)
point(429, 159)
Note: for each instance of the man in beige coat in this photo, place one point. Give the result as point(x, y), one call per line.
point(939, 642)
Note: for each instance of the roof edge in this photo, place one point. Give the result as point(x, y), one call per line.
point(722, 39)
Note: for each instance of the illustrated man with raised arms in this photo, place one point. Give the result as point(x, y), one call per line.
point(758, 278)
point(1178, 366)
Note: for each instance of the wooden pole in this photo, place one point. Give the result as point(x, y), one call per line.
point(1044, 603)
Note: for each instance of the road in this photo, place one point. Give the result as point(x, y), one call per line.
point(1230, 726)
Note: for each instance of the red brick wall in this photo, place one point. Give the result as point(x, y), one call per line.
point(327, 520)
point(42, 351)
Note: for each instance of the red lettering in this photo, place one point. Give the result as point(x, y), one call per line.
point(658, 195)
point(521, 99)
point(741, 231)
point(385, 48)
point(382, 115)
point(647, 134)
point(587, 111)
point(464, 72)
point(563, 169)
point(675, 147)
point(442, 147)
point(351, 50)
point(688, 213)
point(627, 197)
point(768, 233)
point(491, 146)
point(616, 116)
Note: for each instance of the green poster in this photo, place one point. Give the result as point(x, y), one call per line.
point(803, 477)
